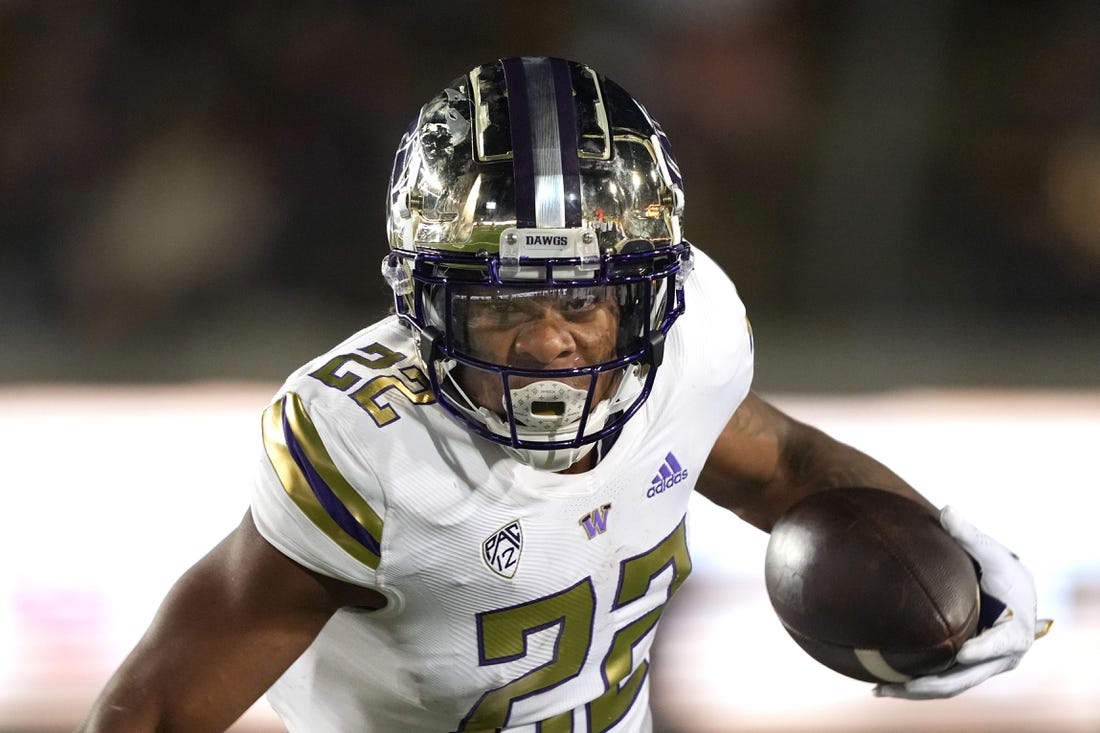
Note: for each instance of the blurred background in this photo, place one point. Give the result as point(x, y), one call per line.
point(191, 205)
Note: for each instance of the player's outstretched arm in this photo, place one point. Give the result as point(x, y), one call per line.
point(226, 631)
point(764, 461)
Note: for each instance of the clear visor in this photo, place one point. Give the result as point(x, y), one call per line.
point(604, 323)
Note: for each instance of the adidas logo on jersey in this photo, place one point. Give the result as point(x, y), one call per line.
point(670, 474)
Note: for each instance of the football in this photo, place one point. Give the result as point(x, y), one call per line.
point(869, 584)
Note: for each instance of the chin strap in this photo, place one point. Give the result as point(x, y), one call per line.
point(547, 405)
point(550, 460)
point(597, 418)
point(552, 426)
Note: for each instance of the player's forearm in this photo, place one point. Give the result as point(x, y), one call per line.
point(120, 718)
point(131, 706)
point(813, 461)
point(809, 461)
point(764, 462)
point(125, 708)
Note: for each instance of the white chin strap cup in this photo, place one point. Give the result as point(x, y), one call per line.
point(547, 411)
point(547, 405)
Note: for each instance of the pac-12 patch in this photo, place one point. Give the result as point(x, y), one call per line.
point(501, 550)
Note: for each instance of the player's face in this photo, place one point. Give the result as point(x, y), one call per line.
point(538, 329)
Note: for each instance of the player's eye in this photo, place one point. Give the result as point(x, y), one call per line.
point(499, 310)
point(579, 302)
point(583, 303)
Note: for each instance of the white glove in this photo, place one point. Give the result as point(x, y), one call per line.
point(1007, 585)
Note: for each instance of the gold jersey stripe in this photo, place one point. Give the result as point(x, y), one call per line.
point(310, 440)
point(297, 485)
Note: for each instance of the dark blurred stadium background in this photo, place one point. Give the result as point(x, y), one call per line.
point(907, 193)
point(195, 189)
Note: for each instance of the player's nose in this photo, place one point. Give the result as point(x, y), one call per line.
point(545, 341)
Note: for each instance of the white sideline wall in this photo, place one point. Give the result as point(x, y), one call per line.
point(111, 492)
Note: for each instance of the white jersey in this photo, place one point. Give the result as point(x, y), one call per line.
point(519, 600)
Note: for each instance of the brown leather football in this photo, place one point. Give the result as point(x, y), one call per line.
point(869, 584)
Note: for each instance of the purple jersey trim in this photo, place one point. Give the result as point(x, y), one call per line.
point(325, 496)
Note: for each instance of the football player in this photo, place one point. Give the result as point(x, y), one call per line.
point(470, 515)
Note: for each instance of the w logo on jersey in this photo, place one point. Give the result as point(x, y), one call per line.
point(595, 522)
point(501, 550)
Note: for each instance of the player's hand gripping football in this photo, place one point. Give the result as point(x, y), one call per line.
point(1008, 623)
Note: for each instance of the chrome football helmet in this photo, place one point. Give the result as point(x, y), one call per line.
point(527, 187)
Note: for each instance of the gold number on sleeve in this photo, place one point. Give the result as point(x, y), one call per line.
point(367, 397)
point(335, 371)
point(410, 381)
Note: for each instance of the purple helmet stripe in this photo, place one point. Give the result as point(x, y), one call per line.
point(570, 143)
point(519, 120)
point(545, 144)
point(545, 157)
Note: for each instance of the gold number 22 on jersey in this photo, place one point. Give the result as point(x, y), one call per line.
point(502, 637)
point(339, 374)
